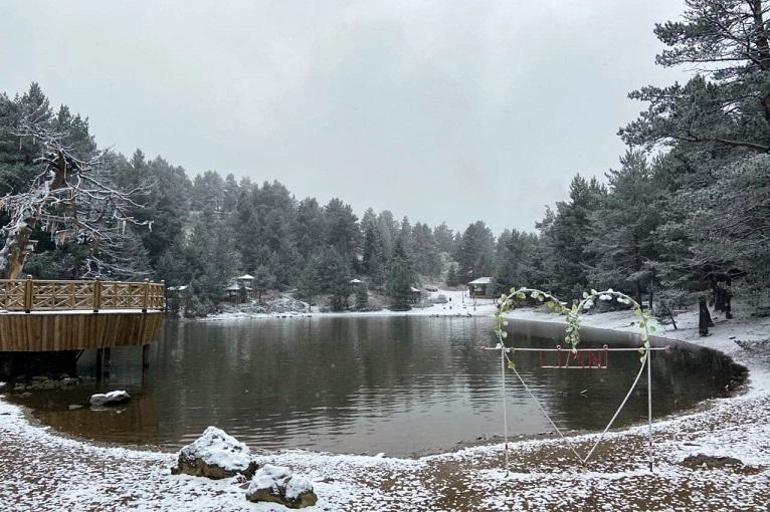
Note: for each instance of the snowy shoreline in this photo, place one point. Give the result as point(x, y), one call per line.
point(458, 305)
point(86, 475)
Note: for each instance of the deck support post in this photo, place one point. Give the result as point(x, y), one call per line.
point(99, 363)
point(145, 356)
point(107, 360)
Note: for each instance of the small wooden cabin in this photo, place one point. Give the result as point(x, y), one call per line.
point(482, 288)
point(241, 289)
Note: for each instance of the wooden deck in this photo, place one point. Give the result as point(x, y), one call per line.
point(43, 315)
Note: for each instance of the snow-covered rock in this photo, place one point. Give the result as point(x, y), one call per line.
point(215, 454)
point(112, 398)
point(277, 484)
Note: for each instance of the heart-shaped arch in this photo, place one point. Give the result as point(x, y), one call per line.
point(572, 338)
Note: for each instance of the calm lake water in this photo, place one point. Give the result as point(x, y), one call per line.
point(399, 385)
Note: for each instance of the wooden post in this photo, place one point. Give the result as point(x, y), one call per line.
point(146, 295)
point(107, 359)
point(97, 296)
point(99, 366)
point(145, 356)
point(28, 295)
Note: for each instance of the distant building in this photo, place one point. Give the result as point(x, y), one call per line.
point(241, 289)
point(483, 287)
point(178, 298)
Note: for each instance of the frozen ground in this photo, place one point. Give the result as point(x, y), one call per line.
point(43, 471)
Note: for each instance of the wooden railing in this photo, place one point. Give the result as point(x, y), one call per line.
point(45, 295)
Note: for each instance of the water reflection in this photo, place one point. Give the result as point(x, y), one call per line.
point(357, 385)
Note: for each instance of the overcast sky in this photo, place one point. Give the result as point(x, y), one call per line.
point(445, 110)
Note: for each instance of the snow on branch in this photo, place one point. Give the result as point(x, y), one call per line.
point(71, 199)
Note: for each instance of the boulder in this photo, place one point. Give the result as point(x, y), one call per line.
point(111, 398)
point(277, 484)
point(215, 454)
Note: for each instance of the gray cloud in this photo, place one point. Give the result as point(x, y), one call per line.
point(441, 110)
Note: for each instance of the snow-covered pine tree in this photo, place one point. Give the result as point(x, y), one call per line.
point(476, 252)
point(264, 280)
point(622, 241)
point(401, 278)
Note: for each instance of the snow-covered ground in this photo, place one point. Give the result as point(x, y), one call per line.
point(41, 470)
point(458, 304)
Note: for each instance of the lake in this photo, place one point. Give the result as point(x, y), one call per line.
point(399, 385)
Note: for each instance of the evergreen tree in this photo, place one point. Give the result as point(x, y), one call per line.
point(389, 230)
point(309, 228)
point(341, 231)
point(622, 241)
point(362, 297)
point(515, 261)
point(728, 42)
point(401, 278)
point(208, 191)
point(333, 275)
point(444, 238)
point(230, 194)
point(213, 259)
point(373, 262)
point(451, 278)
point(476, 253)
point(566, 234)
point(264, 280)
point(427, 260)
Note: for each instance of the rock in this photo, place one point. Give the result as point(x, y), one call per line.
point(42, 384)
point(701, 461)
point(73, 407)
point(111, 398)
point(277, 484)
point(215, 455)
point(69, 381)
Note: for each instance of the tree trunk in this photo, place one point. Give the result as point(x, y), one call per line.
point(704, 317)
point(763, 45)
point(762, 41)
point(639, 292)
point(17, 247)
point(15, 252)
point(651, 299)
point(766, 106)
point(719, 297)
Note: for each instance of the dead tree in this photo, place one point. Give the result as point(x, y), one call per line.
point(70, 199)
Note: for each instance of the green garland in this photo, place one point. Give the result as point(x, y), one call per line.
point(573, 314)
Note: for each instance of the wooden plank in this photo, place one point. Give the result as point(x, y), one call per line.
point(25, 332)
